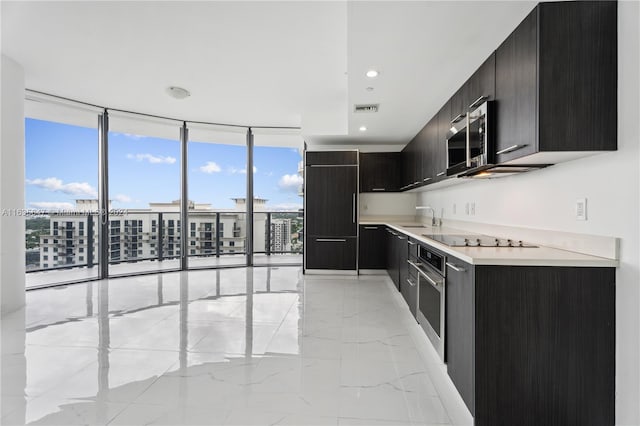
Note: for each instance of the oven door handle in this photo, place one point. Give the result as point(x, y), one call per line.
point(455, 267)
point(434, 283)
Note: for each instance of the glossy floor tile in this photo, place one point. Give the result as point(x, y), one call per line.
point(245, 346)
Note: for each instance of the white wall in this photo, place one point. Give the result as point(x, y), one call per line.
point(12, 228)
point(546, 199)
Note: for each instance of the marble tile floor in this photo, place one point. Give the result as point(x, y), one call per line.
point(49, 277)
point(245, 346)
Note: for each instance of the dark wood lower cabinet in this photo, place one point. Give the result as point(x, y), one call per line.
point(532, 346)
point(402, 252)
point(393, 267)
point(331, 253)
point(460, 325)
point(372, 247)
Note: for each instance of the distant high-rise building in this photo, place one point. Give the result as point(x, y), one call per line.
point(141, 234)
point(280, 235)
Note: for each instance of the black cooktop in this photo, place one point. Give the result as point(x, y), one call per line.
point(477, 241)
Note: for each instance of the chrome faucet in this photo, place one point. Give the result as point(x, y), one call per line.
point(434, 221)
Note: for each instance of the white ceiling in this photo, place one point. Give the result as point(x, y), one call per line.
point(262, 63)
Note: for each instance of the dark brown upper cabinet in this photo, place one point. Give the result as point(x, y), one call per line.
point(320, 158)
point(480, 86)
point(440, 143)
point(554, 80)
point(556, 83)
point(428, 136)
point(380, 171)
point(458, 104)
point(411, 165)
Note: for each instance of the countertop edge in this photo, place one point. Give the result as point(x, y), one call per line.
point(578, 259)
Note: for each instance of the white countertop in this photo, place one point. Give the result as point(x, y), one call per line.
point(510, 256)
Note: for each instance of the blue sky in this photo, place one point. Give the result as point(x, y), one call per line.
point(62, 165)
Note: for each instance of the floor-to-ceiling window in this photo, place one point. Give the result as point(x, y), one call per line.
point(278, 216)
point(144, 172)
point(217, 183)
point(144, 194)
point(61, 180)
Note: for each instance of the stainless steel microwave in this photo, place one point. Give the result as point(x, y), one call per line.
point(470, 139)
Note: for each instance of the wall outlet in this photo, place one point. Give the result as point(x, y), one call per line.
point(454, 208)
point(472, 209)
point(466, 208)
point(581, 209)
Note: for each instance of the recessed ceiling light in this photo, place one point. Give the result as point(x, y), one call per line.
point(363, 128)
point(372, 73)
point(369, 89)
point(178, 92)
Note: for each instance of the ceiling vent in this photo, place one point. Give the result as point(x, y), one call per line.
point(366, 108)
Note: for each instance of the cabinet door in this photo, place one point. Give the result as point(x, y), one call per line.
point(483, 82)
point(428, 142)
point(416, 153)
point(331, 199)
point(578, 76)
point(402, 250)
point(516, 92)
point(380, 172)
point(458, 103)
point(372, 253)
point(331, 157)
point(422, 147)
point(331, 253)
point(408, 288)
point(440, 143)
point(409, 165)
point(460, 326)
point(392, 257)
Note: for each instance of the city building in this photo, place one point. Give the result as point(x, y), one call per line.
point(280, 235)
point(155, 233)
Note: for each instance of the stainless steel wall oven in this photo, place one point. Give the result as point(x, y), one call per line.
point(430, 268)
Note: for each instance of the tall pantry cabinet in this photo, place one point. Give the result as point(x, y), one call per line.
point(331, 210)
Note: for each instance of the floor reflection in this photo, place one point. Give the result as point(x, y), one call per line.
point(234, 346)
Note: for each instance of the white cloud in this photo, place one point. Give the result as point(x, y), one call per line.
point(129, 135)
point(57, 185)
point(121, 198)
point(210, 167)
point(290, 182)
point(233, 170)
point(153, 159)
point(51, 205)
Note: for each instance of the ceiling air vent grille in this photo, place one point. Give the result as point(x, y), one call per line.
point(366, 108)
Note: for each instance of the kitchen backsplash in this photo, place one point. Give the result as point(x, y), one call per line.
point(387, 204)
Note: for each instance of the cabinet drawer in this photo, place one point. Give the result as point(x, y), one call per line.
point(337, 253)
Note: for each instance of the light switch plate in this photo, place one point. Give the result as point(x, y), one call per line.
point(581, 209)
